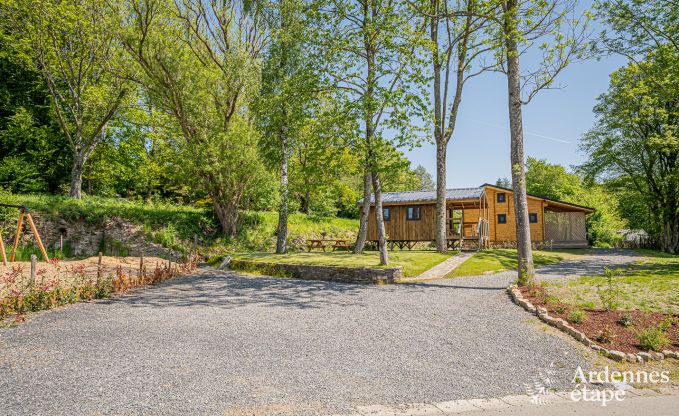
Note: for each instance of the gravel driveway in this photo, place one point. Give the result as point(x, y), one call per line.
point(588, 264)
point(221, 343)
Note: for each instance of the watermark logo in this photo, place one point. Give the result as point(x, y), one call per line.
point(540, 389)
point(620, 381)
point(603, 386)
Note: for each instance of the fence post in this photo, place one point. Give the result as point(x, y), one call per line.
point(61, 247)
point(34, 266)
point(99, 268)
point(195, 248)
point(141, 265)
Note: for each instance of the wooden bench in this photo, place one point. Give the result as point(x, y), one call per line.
point(342, 244)
point(323, 244)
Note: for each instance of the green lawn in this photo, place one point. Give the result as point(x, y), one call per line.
point(651, 284)
point(498, 260)
point(413, 262)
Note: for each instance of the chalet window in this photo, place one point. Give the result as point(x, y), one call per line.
point(413, 212)
point(502, 218)
point(386, 214)
point(533, 217)
point(501, 197)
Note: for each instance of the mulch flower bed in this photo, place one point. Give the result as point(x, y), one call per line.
point(604, 327)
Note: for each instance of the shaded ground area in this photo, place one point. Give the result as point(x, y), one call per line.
point(218, 342)
point(594, 261)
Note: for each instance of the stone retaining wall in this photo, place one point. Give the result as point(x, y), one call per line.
point(365, 275)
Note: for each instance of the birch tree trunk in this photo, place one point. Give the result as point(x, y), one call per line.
point(381, 233)
point(441, 245)
point(523, 243)
point(282, 231)
point(365, 215)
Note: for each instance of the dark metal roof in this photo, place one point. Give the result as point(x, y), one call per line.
point(458, 194)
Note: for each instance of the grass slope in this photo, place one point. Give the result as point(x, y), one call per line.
point(499, 260)
point(413, 262)
point(166, 223)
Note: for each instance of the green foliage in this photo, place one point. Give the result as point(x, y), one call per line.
point(653, 339)
point(188, 220)
point(636, 141)
point(576, 316)
point(609, 293)
point(553, 181)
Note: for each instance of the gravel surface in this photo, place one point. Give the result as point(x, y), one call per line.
point(221, 343)
point(590, 264)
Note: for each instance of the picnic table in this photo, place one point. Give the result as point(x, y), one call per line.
point(326, 243)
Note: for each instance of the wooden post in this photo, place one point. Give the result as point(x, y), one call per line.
point(99, 269)
point(34, 266)
point(141, 265)
point(195, 248)
point(37, 237)
point(61, 246)
point(2, 250)
point(16, 237)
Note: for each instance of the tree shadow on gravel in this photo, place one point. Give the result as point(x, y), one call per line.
point(225, 289)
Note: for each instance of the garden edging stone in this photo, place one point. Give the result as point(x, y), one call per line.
point(517, 297)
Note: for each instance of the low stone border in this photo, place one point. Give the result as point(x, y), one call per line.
point(364, 275)
point(561, 324)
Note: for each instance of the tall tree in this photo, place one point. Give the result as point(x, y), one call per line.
point(200, 64)
point(456, 44)
point(636, 140)
point(374, 63)
point(288, 91)
point(553, 29)
point(72, 45)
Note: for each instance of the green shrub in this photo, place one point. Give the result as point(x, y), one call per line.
point(653, 339)
point(626, 320)
point(666, 323)
point(610, 292)
point(576, 316)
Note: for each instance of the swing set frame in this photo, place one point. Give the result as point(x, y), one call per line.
point(23, 212)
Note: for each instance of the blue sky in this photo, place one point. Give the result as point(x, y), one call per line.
point(479, 149)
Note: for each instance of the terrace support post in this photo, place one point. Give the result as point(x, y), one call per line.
point(20, 222)
point(2, 251)
point(37, 237)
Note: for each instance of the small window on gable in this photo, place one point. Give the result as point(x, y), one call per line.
point(501, 197)
point(533, 217)
point(386, 213)
point(413, 212)
point(502, 218)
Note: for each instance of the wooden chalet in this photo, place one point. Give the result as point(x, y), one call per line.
point(479, 217)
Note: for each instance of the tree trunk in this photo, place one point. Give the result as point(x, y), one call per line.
point(305, 203)
point(441, 142)
point(365, 216)
point(669, 241)
point(282, 233)
point(77, 175)
point(523, 243)
point(381, 233)
point(227, 213)
point(441, 241)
